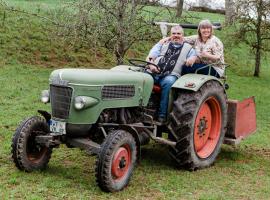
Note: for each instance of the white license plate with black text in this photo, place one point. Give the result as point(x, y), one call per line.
point(58, 127)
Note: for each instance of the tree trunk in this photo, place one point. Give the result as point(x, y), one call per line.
point(120, 45)
point(120, 52)
point(179, 8)
point(257, 63)
point(229, 12)
point(259, 40)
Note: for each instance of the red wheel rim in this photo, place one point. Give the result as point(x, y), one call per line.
point(207, 127)
point(121, 162)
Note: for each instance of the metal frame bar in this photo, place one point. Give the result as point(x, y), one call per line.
point(152, 134)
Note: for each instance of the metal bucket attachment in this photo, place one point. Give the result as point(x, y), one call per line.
point(241, 120)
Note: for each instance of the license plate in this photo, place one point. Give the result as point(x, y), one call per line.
point(57, 127)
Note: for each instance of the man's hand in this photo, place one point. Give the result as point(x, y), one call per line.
point(190, 61)
point(153, 69)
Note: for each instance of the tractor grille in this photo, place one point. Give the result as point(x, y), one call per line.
point(60, 101)
point(118, 91)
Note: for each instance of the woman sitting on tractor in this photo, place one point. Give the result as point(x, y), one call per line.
point(209, 50)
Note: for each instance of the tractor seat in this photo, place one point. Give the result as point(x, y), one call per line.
point(156, 89)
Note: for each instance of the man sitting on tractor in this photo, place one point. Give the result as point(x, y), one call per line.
point(170, 56)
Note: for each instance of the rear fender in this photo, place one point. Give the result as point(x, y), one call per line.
point(193, 81)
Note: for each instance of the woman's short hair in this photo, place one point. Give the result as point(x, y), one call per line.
point(205, 24)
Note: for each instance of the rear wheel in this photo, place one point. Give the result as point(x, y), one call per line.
point(116, 161)
point(26, 153)
point(197, 124)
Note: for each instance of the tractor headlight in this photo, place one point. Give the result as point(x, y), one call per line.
point(84, 102)
point(45, 96)
point(79, 103)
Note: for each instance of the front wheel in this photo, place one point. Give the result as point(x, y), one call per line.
point(198, 122)
point(27, 154)
point(116, 161)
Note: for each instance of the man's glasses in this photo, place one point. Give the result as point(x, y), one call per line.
point(176, 33)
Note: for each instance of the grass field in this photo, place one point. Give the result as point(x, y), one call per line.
point(240, 172)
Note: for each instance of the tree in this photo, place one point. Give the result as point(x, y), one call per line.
point(204, 3)
point(254, 27)
point(150, 2)
point(179, 7)
point(229, 12)
point(113, 24)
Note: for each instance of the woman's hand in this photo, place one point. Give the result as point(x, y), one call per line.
point(205, 54)
point(164, 40)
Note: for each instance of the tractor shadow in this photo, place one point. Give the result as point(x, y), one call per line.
point(238, 153)
point(78, 168)
point(157, 156)
point(231, 153)
point(76, 172)
point(242, 157)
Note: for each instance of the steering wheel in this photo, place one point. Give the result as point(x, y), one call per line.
point(142, 63)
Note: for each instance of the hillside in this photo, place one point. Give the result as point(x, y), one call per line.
point(33, 39)
point(30, 50)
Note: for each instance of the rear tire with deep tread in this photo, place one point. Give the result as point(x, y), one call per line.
point(188, 125)
point(26, 153)
point(116, 161)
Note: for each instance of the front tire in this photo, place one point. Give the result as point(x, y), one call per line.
point(116, 161)
point(26, 153)
point(198, 123)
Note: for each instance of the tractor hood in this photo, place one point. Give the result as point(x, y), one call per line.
point(98, 77)
point(100, 88)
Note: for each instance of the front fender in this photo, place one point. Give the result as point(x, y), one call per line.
point(193, 81)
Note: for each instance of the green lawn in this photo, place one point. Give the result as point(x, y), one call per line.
point(240, 172)
point(34, 5)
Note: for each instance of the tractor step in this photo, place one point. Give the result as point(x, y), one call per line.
point(86, 144)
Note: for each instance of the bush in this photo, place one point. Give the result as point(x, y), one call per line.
point(205, 9)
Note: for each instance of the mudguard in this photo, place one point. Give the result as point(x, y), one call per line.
point(193, 81)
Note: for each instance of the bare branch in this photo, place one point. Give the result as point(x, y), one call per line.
point(12, 9)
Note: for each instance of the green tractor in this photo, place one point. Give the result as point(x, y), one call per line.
point(111, 114)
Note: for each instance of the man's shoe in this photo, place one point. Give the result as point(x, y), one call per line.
point(161, 121)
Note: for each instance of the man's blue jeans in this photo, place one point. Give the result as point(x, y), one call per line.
point(165, 83)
